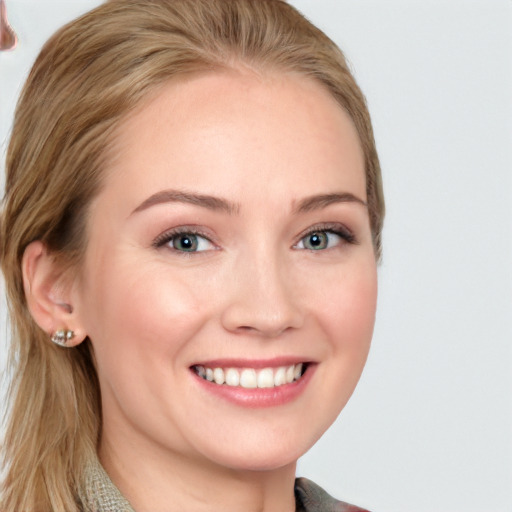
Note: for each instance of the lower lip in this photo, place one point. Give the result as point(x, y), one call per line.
point(258, 397)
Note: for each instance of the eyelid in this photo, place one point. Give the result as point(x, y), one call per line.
point(332, 227)
point(165, 237)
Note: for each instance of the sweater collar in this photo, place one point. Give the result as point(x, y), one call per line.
point(99, 494)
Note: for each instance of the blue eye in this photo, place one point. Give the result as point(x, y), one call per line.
point(185, 241)
point(321, 239)
point(316, 241)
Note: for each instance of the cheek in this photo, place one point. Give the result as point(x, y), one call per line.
point(358, 306)
point(349, 305)
point(346, 314)
point(140, 324)
point(349, 318)
point(135, 316)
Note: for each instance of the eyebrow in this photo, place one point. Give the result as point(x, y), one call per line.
point(320, 201)
point(213, 203)
point(177, 196)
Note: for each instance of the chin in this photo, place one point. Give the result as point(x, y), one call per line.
point(261, 455)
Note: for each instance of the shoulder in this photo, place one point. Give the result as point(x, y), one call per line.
point(312, 498)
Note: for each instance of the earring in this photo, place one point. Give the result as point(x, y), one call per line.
point(62, 336)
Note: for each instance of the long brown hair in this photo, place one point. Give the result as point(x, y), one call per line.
point(87, 78)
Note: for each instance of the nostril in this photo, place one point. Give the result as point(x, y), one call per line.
point(268, 331)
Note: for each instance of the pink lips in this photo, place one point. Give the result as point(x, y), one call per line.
point(255, 397)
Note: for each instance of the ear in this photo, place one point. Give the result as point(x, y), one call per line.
point(48, 290)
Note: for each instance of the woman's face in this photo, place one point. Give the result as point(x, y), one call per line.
point(231, 241)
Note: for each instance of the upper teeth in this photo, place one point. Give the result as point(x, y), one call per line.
point(250, 377)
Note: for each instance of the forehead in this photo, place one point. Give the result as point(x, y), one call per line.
point(230, 132)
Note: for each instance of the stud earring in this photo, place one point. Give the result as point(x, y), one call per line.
point(62, 337)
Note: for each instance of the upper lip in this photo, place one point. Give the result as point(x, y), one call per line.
point(253, 363)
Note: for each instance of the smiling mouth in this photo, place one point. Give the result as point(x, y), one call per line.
point(251, 378)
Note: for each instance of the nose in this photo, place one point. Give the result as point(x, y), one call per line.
point(261, 299)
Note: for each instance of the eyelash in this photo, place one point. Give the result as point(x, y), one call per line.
point(168, 236)
point(331, 228)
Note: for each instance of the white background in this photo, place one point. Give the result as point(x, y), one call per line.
point(430, 427)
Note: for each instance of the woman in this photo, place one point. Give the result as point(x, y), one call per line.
point(189, 236)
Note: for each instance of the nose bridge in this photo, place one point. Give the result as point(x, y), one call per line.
point(261, 299)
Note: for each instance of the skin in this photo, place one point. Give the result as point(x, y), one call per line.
point(263, 143)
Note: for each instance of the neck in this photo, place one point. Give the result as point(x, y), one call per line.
point(169, 482)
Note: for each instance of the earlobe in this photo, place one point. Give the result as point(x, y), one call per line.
point(48, 295)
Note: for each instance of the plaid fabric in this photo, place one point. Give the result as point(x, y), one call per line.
point(101, 495)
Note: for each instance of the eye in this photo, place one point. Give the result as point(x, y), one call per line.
point(319, 239)
point(184, 241)
point(190, 242)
